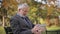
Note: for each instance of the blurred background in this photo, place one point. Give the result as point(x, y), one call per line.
point(41, 12)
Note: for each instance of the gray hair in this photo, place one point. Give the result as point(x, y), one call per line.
point(20, 6)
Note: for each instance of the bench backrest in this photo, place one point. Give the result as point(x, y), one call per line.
point(8, 30)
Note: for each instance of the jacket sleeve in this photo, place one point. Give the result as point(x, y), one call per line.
point(16, 29)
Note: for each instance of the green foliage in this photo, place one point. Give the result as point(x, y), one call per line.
point(3, 11)
point(2, 31)
point(35, 12)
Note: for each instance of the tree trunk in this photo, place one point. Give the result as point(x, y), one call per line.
point(48, 21)
point(3, 21)
point(56, 21)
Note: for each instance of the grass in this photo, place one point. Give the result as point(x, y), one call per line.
point(52, 28)
point(2, 31)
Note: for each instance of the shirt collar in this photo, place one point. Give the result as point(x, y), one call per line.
point(21, 15)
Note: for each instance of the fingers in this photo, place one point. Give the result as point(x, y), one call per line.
point(43, 29)
point(39, 32)
point(37, 26)
point(38, 29)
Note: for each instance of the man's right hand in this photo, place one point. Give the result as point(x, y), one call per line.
point(36, 29)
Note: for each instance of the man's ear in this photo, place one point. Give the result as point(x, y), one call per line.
point(19, 10)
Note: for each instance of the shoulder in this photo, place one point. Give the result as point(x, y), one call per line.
point(15, 17)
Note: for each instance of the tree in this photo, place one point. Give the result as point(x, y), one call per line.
point(8, 6)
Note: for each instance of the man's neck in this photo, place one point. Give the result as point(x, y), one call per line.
point(21, 15)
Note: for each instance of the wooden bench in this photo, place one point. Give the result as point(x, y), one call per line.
point(8, 30)
point(56, 32)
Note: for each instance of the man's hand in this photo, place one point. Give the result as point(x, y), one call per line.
point(38, 29)
point(39, 32)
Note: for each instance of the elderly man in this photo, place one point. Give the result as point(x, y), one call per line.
point(21, 24)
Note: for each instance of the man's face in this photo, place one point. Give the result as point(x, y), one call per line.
point(24, 11)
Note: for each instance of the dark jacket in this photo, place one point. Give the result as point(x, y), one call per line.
point(19, 26)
